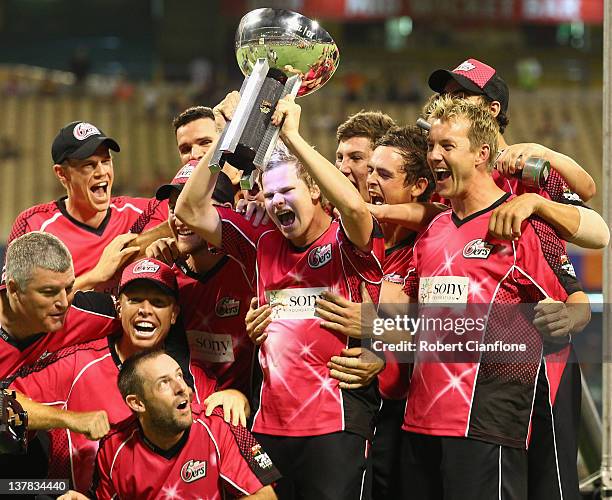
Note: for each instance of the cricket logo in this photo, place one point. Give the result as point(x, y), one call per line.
point(319, 256)
point(192, 470)
point(84, 130)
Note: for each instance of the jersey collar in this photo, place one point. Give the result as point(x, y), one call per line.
point(170, 452)
point(459, 222)
point(99, 231)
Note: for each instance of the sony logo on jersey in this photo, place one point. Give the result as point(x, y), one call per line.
point(227, 307)
point(319, 256)
point(210, 347)
point(444, 290)
point(465, 66)
point(261, 457)
point(477, 249)
point(84, 130)
point(146, 266)
point(192, 470)
point(294, 303)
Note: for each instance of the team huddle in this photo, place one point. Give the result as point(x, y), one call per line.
point(212, 342)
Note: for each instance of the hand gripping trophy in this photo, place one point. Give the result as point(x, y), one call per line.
point(280, 52)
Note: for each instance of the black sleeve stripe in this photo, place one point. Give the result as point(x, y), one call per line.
point(95, 302)
point(145, 216)
point(252, 452)
point(555, 254)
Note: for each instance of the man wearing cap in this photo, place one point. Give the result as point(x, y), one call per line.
point(74, 389)
point(214, 291)
point(88, 219)
point(568, 183)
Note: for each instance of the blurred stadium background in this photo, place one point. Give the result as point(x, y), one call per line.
point(129, 67)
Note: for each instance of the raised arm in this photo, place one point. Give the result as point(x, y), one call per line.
point(194, 205)
point(415, 216)
point(356, 218)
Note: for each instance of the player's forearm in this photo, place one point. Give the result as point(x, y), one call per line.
point(265, 493)
point(564, 218)
point(143, 240)
point(336, 188)
point(414, 216)
point(574, 175)
point(579, 309)
point(43, 417)
point(194, 205)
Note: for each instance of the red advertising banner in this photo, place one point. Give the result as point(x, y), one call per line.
point(512, 11)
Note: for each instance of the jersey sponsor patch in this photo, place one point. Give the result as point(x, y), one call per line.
point(146, 266)
point(444, 290)
point(84, 130)
point(394, 278)
point(192, 470)
point(477, 249)
point(210, 347)
point(294, 303)
point(567, 266)
point(227, 307)
point(319, 256)
point(261, 457)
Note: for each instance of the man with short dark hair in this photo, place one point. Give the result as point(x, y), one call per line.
point(357, 137)
point(171, 445)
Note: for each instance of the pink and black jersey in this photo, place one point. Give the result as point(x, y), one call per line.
point(84, 378)
point(91, 316)
point(298, 397)
point(488, 397)
point(86, 244)
point(394, 379)
point(214, 305)
point(211, 458)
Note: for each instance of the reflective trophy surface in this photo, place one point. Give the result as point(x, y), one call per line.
point(280, 52)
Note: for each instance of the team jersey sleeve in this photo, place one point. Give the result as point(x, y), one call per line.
point(154, 214)
point(543, 261)
point(240, 238)
point(244, 466)
point(102, 487)
point(557, 190)
point(368, 265)
point(47, 383)
point(204, 383)
point(20, 227)
point(91, 316)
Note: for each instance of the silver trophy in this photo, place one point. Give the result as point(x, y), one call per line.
point(280, 52)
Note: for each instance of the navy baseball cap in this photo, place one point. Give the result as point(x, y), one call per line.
point(79, 140)
point(223, 193)
point(475, 77)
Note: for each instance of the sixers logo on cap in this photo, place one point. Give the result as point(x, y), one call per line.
point(465, 66)
point(145, 266)
point(185, 172)
point(84, 130)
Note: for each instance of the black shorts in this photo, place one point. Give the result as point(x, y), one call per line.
point(553, 447)
point(383, 475)
point(453, 468)
point(327, 467)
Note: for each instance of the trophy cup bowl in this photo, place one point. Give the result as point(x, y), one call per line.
point(280, 52)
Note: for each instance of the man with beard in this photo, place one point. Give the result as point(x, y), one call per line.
point(171, 447)
point(317, 431)
point(73, 389)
